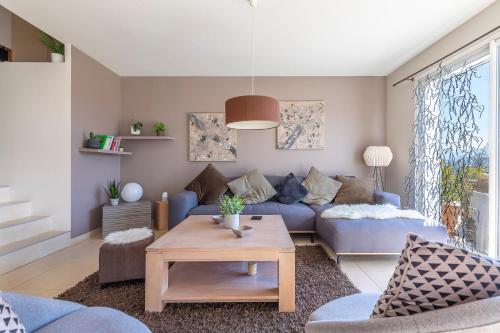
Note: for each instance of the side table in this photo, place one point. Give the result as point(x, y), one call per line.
point(126, 215)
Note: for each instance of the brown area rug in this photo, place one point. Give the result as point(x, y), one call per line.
point(318, 281)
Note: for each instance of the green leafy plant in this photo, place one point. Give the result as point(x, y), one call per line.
point(113, 189)
point(92, 136)
point(138, 126)
point(455, 183)
point(52, 44)
point(159, 127)
point(231, 205)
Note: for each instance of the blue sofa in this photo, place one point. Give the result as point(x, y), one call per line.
point(344, 236)
point(45, 315)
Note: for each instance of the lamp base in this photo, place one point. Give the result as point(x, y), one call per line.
point(379, 180)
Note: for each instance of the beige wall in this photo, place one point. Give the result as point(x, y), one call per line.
point(26, 45)
point(95, 106)
point(355, 118)
point(5, 27)
point(35, 111)
point(400, 110)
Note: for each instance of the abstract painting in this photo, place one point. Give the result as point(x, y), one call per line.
point(210, 139)
point(302, 125)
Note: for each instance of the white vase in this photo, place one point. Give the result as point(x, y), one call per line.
point(115, 201)
point(232, 221)
point(56, 57)
point(134, 132)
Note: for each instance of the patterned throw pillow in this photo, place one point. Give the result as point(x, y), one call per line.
point(9, 322)
point(432, 276)
point(290, 190)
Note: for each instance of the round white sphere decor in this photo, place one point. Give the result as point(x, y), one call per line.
point(132, 192)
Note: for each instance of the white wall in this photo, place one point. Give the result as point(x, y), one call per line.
point(400, 109)
point(5, 28)
point(35, 141)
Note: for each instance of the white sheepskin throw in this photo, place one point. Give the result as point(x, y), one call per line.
point(128, 236)
point(378, 212)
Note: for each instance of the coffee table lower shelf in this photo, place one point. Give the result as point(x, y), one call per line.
point(203, 282)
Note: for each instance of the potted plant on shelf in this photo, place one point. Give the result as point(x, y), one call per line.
point(113, 189)
point(93, 141)
point(55, 47)
point(231, 207)
point(159, 128)
point(136, 128)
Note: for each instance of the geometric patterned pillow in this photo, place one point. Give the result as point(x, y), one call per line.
point(431, 276)
point(9, 322)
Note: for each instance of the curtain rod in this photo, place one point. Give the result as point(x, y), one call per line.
point(411, 77)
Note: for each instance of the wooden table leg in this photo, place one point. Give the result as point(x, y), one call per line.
point(286, 275)
point(156, 281)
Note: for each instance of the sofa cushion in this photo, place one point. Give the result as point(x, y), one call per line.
point(9, 320)
point(353, 307)
point(322, 189)
point(386, 236)
point(355, 191)
point(290, 190)
point(252, 187)
point(95, 319)
point(209, 185)
point(298, 217)
point(432, 276)
point(36, 312)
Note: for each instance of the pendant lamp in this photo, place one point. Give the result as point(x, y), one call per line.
point(252, 112)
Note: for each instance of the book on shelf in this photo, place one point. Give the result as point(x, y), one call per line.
point(109, 142)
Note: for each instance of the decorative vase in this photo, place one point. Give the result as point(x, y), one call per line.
point(160, 133)
point(56, 57)
point(134, 132)
point(115, 201)
point(132, 192)
point(450, 214)
point(93, 143)
point(232, 221)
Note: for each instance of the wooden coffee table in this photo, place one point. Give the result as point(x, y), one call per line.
point(211, 264)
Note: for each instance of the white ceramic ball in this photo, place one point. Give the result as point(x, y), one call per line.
point(132, 192)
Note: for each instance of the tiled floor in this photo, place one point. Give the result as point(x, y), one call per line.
point(51, 275)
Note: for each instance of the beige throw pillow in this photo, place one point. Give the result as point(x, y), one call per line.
point(322, 189)
point(355, 191)
point(252, 188)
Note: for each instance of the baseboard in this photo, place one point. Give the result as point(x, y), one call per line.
point(95, 233)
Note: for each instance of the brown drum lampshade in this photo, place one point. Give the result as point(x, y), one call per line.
point(252, 112)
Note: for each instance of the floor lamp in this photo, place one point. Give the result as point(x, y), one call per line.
point(377, 157)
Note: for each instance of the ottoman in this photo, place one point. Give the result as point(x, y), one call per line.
point(123, 255)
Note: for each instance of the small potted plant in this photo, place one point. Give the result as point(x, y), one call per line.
point(231, 207)
point(93, 141)
point(159, 128)
point(136, 128)
point(55, 47)
point(113, 189)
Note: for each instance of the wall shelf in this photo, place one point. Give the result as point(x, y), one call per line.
point(106, 152)
point(145, 137)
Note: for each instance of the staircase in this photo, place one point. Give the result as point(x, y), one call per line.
point(25, 237)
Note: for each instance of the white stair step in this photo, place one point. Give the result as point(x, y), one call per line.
point(22, 252)
point(4, 193)
point(14, 210)
point(19, 229)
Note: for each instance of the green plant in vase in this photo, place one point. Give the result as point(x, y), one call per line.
point(231, 208)
point(55, 47)
point(113, 190)
point(160, 128)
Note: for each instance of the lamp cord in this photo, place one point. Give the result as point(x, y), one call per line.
point(253, 48)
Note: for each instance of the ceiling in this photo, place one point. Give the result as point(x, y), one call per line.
point(205, 38)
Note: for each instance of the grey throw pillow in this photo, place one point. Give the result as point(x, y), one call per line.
point(322, 189)
point(432, 276)
point(355, 191)
point(290, 190)
point(252, 188)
